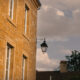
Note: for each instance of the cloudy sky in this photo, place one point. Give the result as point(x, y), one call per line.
point(59, 23)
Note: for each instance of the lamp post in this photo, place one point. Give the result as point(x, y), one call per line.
point(44, 46)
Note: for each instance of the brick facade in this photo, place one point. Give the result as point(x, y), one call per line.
point(12, 33)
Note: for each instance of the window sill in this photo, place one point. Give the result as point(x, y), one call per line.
point(26, 37)
point(11, 21)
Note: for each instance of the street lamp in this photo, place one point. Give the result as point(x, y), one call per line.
point(44, 46)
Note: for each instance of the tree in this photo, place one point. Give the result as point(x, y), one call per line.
point(73, 61)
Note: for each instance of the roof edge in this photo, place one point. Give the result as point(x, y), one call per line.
point(38, 4)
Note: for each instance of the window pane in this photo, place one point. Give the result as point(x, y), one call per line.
point(25, 28)
point(24, 67)
point(11, 7)
point(8, 62)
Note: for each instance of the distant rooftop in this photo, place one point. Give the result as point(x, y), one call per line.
point(63, 61)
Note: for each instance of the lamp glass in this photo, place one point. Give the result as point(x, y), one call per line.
point(44, 49)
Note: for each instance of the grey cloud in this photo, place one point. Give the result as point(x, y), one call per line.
point(51, 25)
point(62, 32)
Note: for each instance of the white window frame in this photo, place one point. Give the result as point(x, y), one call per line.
point(11, 8)
point(26, 17)
point(8, 56)
point(50, 77)
point(23, 67)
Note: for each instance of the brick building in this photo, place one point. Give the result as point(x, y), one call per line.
point(18, 22)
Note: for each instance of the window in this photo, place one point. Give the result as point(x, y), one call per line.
point(11, 8)
point(25, 26)
point(24, 68)
point(8, 61)
point(50, 77)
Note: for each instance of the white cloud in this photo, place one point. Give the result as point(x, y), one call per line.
point(59, 12)
point(46, 7)
point(44, 63)
point(76, 11)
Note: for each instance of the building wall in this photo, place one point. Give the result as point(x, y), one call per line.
point(56, 75)
point(12, 32)
point(63, 66)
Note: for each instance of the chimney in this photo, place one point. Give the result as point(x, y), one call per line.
point(63, 66)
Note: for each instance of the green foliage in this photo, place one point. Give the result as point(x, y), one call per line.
point(74, 61)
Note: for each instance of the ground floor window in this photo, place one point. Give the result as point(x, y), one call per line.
point(24, 67)
point(50, 77)
point(8, 60)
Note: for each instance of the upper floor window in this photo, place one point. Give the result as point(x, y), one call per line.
point(26, 18)
point(11, 8)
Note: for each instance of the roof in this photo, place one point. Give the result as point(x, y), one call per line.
point(63, 61)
